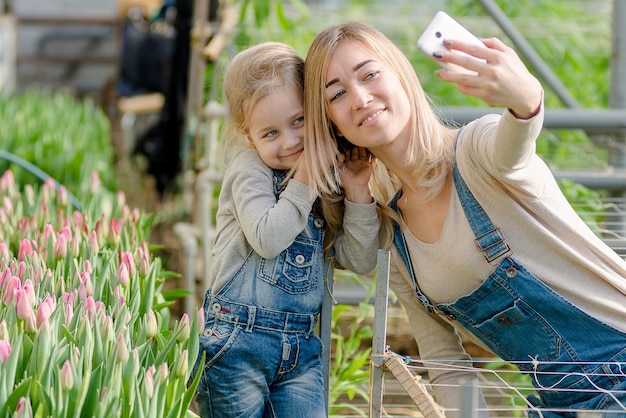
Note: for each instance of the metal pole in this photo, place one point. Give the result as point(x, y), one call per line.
point(379, 339)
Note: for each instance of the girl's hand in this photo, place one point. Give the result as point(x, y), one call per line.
point(503, 80)
point(355, 169)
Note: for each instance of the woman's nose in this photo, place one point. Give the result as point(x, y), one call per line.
point(361, 97)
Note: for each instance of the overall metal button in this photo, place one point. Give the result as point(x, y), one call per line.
point(299, 259)
point(511, 272)
point(216, 307)
point(318, 222)
point(208, 332)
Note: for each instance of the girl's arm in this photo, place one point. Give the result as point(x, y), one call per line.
point(270, 225)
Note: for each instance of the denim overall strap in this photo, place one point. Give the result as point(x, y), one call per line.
point(489, 238)
point(400, 243)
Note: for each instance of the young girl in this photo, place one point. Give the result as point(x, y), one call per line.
point(273, 247)
point(484, 243)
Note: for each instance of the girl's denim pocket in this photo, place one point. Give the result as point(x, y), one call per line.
point(294, 270)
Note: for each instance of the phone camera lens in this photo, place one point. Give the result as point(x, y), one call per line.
point(438, 34)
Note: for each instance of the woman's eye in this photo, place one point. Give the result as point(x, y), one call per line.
point(298, 121)
point(370, 75)
point(337, 95)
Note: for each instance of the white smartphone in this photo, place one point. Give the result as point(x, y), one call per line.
point(441, 27)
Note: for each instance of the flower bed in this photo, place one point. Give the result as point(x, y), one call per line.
point(85, 327)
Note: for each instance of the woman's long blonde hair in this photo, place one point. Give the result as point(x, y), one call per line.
point(429, 153)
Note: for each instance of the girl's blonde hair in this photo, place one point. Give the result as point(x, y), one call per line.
point(253, 74)
point(429, 154)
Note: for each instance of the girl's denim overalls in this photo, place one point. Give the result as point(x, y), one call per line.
point(262, 356)
point(576, 361)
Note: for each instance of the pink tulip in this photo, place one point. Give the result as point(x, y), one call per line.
point(7, 182)
point(67, 377)
point(75, 244)
point(11, 288)
point(5, 350)
point(60, 248)
point(119, 294)
point(4, 277)
point(114, 232)
point(63, 195)
point(144, 264)
point(148, 381)
point(4, 330)
point(180, 368)
point(122, 349)
point(44, 311)
point(95, 181)
point(24, 409)
point(185, 328)
point(93, 242)
point(4, 253)
point(79, 220)
point(30, 291)
point(127, 258)
point(26, 250)
point(152, 327)
point(23, 307)
point(69, 314)
point(122, 275)
point(90, 307)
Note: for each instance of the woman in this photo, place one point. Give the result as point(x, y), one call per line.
point(484, 242)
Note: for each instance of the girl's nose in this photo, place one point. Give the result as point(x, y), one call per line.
point(293, 139)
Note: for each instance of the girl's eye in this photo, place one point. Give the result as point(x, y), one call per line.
point(271, 134)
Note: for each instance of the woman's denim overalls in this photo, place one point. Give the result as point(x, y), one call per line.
point(262, 358)
point(525, 322)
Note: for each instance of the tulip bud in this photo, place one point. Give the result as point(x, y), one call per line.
point(67, 377)
point(13, 284)
point(123, 276)
point(60, 247)
point(66, 232)
point(4, 253)
point(95, 182)
point(184, 327)
point(122, 350)
point(93, 242)
point(127, 258)
point(152, 326)
point(4, 330)
point(23, 308)
point(149, 382)
point(30, 291)
point(26, 250)
point(5, 350)
point(24, 409)
point(63, 197)
point(180, 368)
point(44, 311)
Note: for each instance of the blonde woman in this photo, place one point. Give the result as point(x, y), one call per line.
point(273, 247)
point(484, 244)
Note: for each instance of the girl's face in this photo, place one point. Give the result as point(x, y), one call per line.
point(277, 128)
point(368, 104)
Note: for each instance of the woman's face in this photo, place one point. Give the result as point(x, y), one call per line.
point(368, 104)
